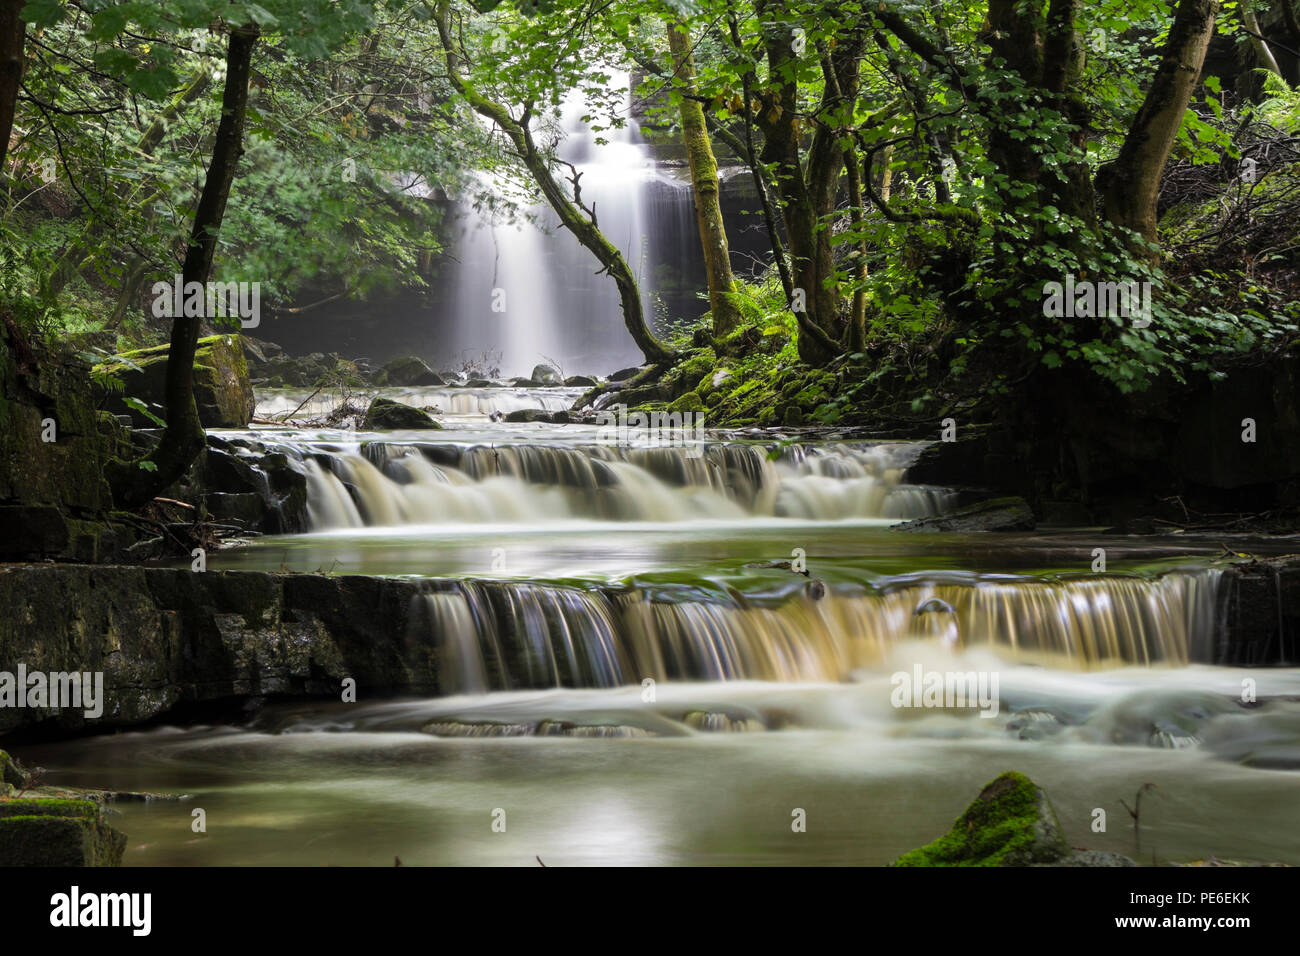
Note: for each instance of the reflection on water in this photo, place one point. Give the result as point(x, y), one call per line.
point(361, 784)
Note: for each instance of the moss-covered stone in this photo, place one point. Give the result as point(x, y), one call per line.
point(1010, 823)
point(385, 414)
point(690, 402)
point(222, 388)
point(57, 835)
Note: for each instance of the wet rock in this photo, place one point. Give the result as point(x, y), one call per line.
point(408, 371)
point(996, 514)
point(580, 381)
point(560, 417)
point(384, 414)
point(481, 383)
point(547, 375)
point(623, 374)
point(525, 383)
point(244, 508)
point(1010, 823)
point(1259, 605)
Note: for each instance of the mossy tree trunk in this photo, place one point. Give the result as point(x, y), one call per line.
point(573, 215)
point(1130, 186)
point(704, 181)
point(135, 483)
point(12, 34)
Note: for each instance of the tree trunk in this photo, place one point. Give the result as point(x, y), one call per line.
point(1130, 185)
point(704, 180)
point(778, 118)
point(1263, 53)
point(572, 214)
point(183, 439)
point(12, 34)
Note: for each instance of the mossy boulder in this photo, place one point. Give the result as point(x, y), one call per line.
point(1010, 823)
point(690, 402)
point(46, 831)
point(222, 389)
point(385, 414)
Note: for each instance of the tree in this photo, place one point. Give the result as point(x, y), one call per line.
point(12, 32)
point(1131, 185)
point(135, 483)
point(704, 181)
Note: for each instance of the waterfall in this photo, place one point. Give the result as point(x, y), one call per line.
point(391, 484)
point(530, 635)
point(527, 289)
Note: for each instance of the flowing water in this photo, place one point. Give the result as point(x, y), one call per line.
point(636, 671)
point(526, 289)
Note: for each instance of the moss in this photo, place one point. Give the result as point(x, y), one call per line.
point(48, 807)
point(1011, 823)
point(52, 840)
point(690, 402)
point(688, 374)
point(222, 388)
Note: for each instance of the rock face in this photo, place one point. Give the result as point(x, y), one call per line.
point(221, 384)
point(1010, 823)
point(53, 445)
point(406, 371)
point(996, 514)
point(385, 413)
point(1259, 613)
point(167, 638)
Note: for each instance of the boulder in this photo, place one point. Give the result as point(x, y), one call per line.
point(384, 414)
point(623, 374)
point(580, 381)
point(408, 371)
point(222, 388)
point(538, 415)
point(546, 375)
point(1010, 823)
point(995, 514)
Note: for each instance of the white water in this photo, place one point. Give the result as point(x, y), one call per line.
point(527, 289)
point(396, 485)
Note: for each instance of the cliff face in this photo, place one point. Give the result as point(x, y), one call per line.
point(53, 445)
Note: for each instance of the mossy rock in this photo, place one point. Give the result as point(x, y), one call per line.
point(222, 389)
point(57, 832)
point(384, 414)
point(688, 375)
point(1011, 823)
point(690, 402)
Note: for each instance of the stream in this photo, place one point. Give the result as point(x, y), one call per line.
point(636, 678)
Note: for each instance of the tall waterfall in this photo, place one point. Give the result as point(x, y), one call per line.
point(527, 288)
